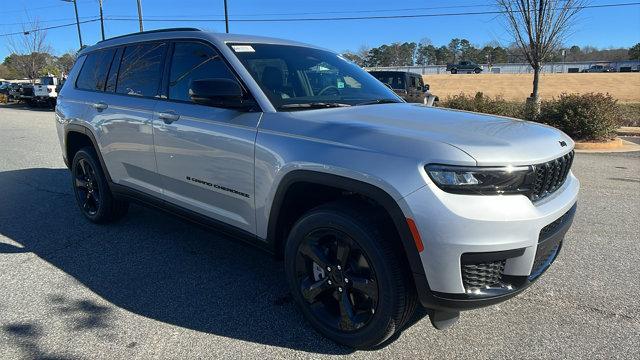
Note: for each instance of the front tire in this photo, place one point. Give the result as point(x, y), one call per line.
point(92, 190)
point(454, 71)
point(346, 276)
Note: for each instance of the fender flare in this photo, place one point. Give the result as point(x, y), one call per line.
point(84, 130)
point(371, 191)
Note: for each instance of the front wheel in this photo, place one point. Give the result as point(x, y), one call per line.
point(346, 276)
point(477, 71)
point(454, 71)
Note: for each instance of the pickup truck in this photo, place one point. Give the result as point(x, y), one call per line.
point(46, 92)
point(464, 66)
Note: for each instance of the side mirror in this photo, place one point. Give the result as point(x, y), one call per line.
point(223, 93)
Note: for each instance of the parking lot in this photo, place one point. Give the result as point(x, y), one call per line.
point(153, 286)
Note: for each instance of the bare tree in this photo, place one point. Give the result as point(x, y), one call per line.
point(538, 28)
point(32, 53)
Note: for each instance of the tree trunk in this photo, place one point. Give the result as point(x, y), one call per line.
point(536, 80)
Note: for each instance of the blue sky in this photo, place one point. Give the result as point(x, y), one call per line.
point(603, 27)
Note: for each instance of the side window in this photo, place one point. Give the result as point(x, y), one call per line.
point(112, 78)
point(94, 70)
point(194, 61)
point(141, 69)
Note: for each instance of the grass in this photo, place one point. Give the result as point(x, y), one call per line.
point(516, 87)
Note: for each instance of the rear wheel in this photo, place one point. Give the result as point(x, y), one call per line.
point(346, 277)
point(92, 190)
point(477, 70)
point(454, 71)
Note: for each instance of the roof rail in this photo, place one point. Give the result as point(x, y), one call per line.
point(152, 32)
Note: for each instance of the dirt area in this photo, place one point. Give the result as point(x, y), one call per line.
point(623, 86)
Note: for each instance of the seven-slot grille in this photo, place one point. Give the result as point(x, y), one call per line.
point(550, 176)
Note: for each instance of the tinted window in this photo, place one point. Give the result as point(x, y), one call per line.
point(141, 69)
point(113, 71)
point(194, 61)
point(94, 70)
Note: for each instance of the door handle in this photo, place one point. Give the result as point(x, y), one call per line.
point(100, 106)
point(168, 116)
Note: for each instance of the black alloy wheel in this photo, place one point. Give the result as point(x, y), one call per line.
point(92, 191)
point(336, 280)
point(346, 274)
point(86, 187)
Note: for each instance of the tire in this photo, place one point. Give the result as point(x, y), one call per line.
point(477, 71)
point(91, 189)
point(454, 71)
point(379, 298)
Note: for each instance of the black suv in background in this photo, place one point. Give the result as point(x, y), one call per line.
point(407, 85)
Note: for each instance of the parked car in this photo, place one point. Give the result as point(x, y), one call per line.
point(45, 93)
point(14, 92)
point(26, 94)
point(599, 69)
point(377, 206)
point(465, 66)
point(408, 85)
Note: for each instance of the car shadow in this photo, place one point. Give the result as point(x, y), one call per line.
point(154, 265)
point(24, 106)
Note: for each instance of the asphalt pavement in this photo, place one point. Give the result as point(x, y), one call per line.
point(154, 286)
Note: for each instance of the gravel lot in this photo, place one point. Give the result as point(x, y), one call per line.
point(152, 286)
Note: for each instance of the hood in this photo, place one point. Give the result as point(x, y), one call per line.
point(490, 140)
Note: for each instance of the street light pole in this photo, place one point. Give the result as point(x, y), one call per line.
point(226, 17)
point(140, 15)
point(75, 6)
point(101, 19)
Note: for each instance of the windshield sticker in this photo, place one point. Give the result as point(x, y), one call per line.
point(243, 48)
point(340, 85)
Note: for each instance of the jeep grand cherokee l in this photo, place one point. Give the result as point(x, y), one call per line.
point(379, 208)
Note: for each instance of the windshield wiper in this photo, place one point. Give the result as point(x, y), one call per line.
point(313, 105)
point(379, 101)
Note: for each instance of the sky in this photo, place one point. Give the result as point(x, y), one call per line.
point(599, 27)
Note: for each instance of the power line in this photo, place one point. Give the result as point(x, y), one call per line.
point(49, 27)
point(379, 17)
point(407, 16)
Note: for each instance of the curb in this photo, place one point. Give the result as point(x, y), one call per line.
point(615, 145)
point(629, 131)
point(607, 145)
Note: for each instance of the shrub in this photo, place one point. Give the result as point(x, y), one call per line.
point(484, 104)
point(630, 114)
point(582, 116)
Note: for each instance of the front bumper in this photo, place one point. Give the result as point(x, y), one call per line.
point(455, 225)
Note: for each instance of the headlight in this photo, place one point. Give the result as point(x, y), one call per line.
point(482, 180)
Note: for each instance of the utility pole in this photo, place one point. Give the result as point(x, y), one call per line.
point(226, 17)
point(101, 19)
point(75, 6)
point(140, 15)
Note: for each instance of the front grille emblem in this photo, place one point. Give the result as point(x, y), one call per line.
point(562, 143)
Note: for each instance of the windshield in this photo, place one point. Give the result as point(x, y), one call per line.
point(298, 78)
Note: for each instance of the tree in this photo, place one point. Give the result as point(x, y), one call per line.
point(354, 58)
point(32, 53)
point(7, 73)
point(538, 28)
point(65, 62)
point(634, 52)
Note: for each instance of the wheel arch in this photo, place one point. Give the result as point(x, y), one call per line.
point(77, 136)
point(370, 191)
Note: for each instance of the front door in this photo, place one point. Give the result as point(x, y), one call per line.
point(205, 155)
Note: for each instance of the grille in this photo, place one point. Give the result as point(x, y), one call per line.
point(550, 176)
point(476, 276)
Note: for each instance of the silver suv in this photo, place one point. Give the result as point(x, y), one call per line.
point(382, 210)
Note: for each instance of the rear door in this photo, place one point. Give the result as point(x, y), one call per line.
point(121, 106)
point(205, 154)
